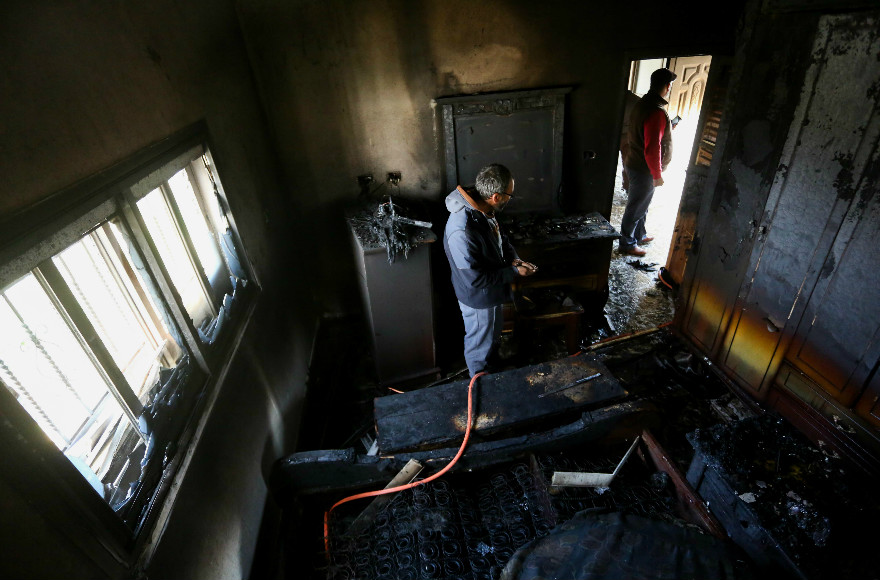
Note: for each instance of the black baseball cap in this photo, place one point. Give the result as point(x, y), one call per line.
point(662, 76)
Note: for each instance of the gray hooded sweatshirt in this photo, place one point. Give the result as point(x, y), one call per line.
point(481, 270)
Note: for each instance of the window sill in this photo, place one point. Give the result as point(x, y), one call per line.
point(165, 497)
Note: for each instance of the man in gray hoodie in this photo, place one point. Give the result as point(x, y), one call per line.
point(482, 261)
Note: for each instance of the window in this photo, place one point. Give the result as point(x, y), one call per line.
point(115, 321)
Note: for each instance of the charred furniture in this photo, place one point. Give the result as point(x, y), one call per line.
point(572, 252)
point(670, 393)
point(394, 272)
point(524, 131)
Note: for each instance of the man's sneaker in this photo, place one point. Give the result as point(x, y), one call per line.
point(632, 251)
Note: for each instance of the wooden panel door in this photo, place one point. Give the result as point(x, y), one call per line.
point(697, 170)
point(688, 89)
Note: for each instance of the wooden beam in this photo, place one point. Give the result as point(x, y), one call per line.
point(689, 500)
point(505, 402)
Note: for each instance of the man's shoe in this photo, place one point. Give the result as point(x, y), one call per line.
point(647, 240)
point(632, 251)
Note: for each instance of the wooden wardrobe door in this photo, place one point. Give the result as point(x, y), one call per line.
point(814, 205)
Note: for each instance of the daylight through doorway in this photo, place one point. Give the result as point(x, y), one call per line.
point(637, 299)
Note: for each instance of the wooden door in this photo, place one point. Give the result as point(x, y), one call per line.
point(688, 89)
point(685, 100)
point(697, 170)
point(813, 273)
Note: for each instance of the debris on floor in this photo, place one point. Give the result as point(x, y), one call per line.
point(500, 524)
point(474, 522)
point(639, 265)
point(792, 506)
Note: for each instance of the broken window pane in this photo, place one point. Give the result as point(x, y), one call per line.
point(91, 350)
point(51, 369)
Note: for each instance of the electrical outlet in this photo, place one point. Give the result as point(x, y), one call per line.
point(365, 180)
point(394, 177)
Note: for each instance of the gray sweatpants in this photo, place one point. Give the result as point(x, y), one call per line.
point(482, 331)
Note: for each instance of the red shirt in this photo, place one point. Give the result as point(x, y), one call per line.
point(654, 127)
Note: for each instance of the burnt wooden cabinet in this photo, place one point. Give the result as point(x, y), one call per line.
point(573, 251)
point(805, 317)
point(810, 299)
point(837, 343)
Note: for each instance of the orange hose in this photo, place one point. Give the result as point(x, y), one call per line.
point(467, 434)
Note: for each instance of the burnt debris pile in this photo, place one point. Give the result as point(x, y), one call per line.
point(797, 508)
point(637, 490)
point(387, 224)
point(472, 525)
point(526, 229)
point(659, 368)
point(781, 505)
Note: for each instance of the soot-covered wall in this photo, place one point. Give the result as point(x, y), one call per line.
point(347, 86)
point(85, 86)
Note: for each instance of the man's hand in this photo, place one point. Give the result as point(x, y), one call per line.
point(658, 182)
point(524, 268)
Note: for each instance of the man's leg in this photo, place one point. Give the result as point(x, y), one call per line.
point(494, 359)
point(482, 326)
point(632, 225)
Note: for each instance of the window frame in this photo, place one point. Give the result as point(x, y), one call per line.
point(28, 241)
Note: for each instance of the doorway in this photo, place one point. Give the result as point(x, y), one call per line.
point(637, 297)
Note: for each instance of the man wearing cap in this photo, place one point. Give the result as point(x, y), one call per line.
point(650, 150)
point(482, 261)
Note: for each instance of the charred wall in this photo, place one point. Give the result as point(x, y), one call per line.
point(84, 87)
point(347, 86)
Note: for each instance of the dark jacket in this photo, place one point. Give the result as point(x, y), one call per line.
point(481, 275)
point(649, 104)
